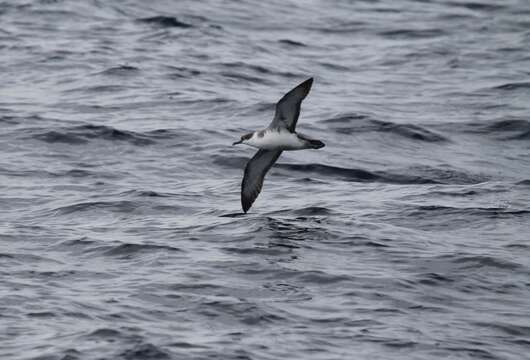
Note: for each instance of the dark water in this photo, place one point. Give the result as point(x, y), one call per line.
point(406, 237)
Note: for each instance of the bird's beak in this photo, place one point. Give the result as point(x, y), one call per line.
point(237, 142)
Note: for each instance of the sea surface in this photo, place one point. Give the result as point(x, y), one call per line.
point(121, 230)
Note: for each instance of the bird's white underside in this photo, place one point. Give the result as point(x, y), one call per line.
point(273, 139)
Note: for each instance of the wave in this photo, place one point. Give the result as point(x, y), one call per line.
point(478, 6)
point(509, 329)
point(410, 131)
point(145, 351)
point(519, 128)
point(479, 261)
point(322, 278)
point(334, 171)
point(105, 333)
point(178, 72)
point(41, 314)
point(410, 175)
point(341, 27)
point(131, 249)
point(27, 258)
point(292, 43)
point(76, 173)
point(116, 206)
point(248, 313)
point(233, 162)
point(165, 21)
point(99, 89)
point(412, 33)
point(464, 212)
point(437, 218)
point(81, 242)
point(196, 288)
point(347, 118)
point(464, 192)
point(233, 215)
point(144, 193)
point(508, 125)
point(522, 136)
point(79, 135)
point(121, 70)
point(447, 175)
point(359, 123)
point(246, 78)
point(239, 65)
point(25, 119)
point(260, 251)
point(513, 86)
point(312, 211)
point(57, 137)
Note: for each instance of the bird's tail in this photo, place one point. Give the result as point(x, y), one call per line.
point(316, 144)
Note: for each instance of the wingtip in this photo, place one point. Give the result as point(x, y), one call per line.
point(245, 206)
point(306, 86)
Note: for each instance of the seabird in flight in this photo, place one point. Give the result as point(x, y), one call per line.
point(279, 136)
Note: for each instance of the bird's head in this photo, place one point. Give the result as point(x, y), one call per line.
point(244, 139)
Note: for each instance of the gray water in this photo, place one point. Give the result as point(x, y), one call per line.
point(406, 237)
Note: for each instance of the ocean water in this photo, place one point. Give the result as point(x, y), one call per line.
point(406, 237)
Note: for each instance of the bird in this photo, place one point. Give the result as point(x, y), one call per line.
point(279, 136)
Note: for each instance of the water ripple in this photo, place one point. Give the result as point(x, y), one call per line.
point(121, 232)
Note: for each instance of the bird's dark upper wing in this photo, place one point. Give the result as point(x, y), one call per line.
point(288, 108)
point(255, 171)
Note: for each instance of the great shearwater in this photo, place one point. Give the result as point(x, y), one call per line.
point(280, 135)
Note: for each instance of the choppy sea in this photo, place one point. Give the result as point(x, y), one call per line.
point(406, 237)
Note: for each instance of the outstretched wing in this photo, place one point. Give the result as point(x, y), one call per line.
point(255, 171)
point(288, 108)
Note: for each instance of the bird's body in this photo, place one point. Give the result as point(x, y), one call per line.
point(279, 139)
point(279, 136)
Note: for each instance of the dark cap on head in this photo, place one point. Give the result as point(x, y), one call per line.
point(243, 138)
